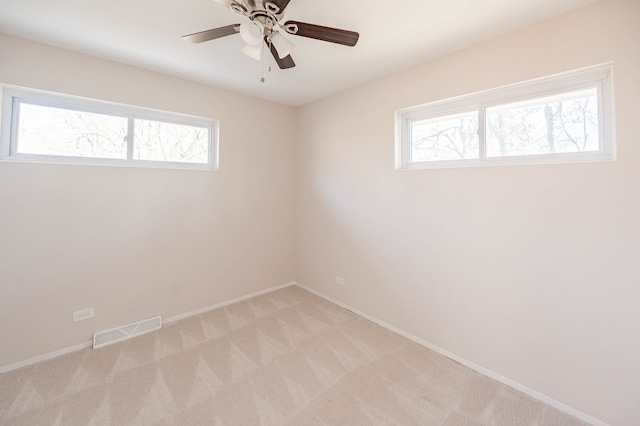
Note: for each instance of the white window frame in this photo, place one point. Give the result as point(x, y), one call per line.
point(12, 95)
point(599, 77)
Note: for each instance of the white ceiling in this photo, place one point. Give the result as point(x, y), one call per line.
point(393, 36)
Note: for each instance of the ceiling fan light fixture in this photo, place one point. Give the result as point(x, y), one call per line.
point(283, 46)
point(251, 32)
point(254, 51)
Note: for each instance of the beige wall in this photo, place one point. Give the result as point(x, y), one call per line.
point(138, 242)
point(532, 272)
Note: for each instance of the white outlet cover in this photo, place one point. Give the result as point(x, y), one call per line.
point(84, 314)
point(339, 280)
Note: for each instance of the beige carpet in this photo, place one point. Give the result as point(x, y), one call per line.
point(284, 358)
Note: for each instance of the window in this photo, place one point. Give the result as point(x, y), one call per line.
point(46, 127)
point(565, 118)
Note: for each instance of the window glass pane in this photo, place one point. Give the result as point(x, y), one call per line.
point(452, 137)
point(160, 141)
point(556, 124)
point(46, 130)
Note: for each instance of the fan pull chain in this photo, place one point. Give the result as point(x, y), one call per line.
point(268, 59)
point(263, 62)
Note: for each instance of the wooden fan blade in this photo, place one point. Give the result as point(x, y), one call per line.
point(212, 34)
point(284, 63)
point(333, 35)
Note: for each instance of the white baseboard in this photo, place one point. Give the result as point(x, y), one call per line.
point(88, 344)
point(226, 303)
point(484, 371)
point(45, 357)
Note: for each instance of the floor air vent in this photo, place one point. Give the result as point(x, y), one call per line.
point(107, 337)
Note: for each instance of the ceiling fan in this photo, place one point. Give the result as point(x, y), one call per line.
point(264, 25)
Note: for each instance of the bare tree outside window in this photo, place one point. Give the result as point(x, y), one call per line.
point(452, 137)
point(48, 130)
point(563, 118)
point(161, 141)
point(559, 124)
point(565, 123)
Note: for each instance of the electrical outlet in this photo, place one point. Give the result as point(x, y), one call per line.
point(339, 280)
point(84, 314)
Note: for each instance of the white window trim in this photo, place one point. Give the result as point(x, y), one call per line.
point(8, 118)
point(599, 76)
